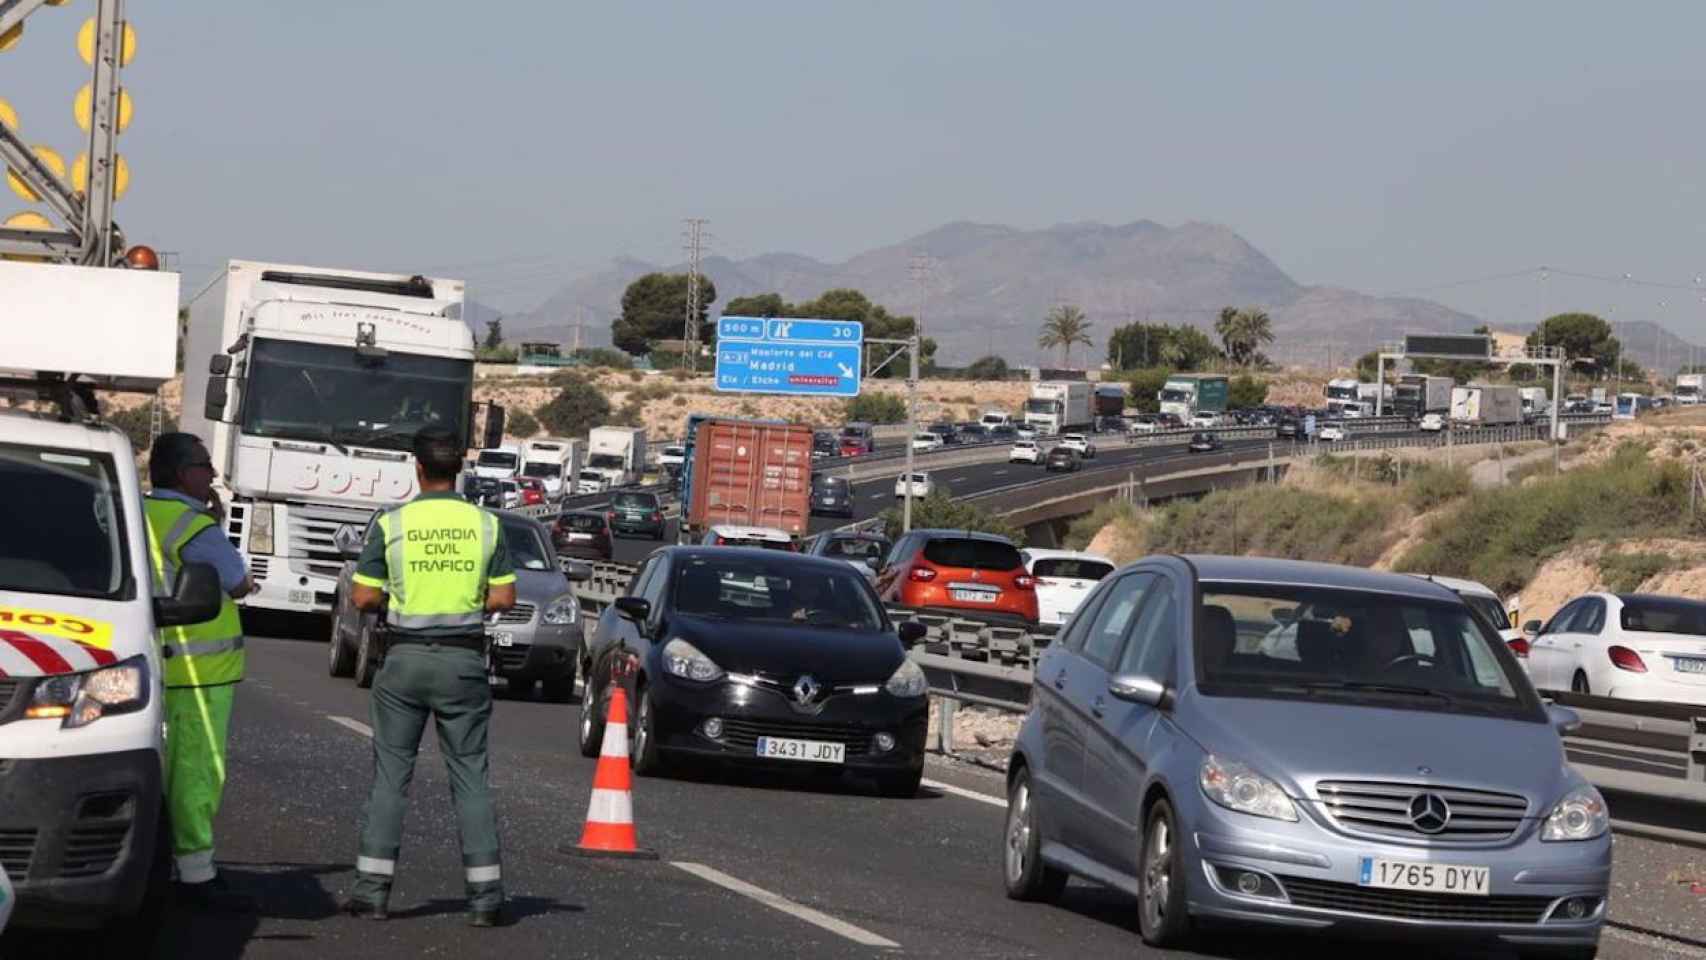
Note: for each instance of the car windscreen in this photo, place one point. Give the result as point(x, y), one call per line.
point(526, 548)
point(760, 543)
point(1373, 649)
point(972, 553)
point(755, 589)
point(1071, 568)
point(640, 501)
point(1490, 608)
point(67, 536)
point(855, 433)
point(854, 548)
point(582, 522)
point(1664, 615)
point(592, 475)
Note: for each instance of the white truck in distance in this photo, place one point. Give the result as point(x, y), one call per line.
point(309, 385)
point(497, 463)
point(616, 453)
point(1479, 405)
point(1057, 407)
point(1689, 387)
point(554, 461)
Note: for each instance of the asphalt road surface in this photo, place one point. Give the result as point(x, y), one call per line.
point(750, 865)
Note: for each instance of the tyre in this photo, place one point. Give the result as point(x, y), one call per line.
point(1161, 881)
point(903, 785)
point(341, 659)
point(560, 689)
point(366, 658)
point(1026, 875)
point(643, 747)
point(591, 727)
point(1579, 684)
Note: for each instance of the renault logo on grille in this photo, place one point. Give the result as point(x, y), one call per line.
point(1429, 812)
point(805, 690)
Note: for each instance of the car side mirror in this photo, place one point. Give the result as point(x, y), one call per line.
point(1137, 688)
point(1531, 629)
point(912, 633)
point(636, 609)
point(1563, 719)
point(576, 571)
point(196, 597)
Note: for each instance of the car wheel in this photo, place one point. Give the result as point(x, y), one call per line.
point(1579, 684)
point(644, 747)
point(902, 786)
point(341, 659)
point(365, 658)
point(1161, 882)
point(1026, 875)
point(591, 732)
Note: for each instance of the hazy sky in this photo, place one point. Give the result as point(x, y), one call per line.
point(1385, 147)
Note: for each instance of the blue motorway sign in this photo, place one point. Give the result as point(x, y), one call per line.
point(787, 355)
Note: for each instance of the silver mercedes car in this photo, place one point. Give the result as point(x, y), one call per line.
point(536, 643)
point(1305, 747)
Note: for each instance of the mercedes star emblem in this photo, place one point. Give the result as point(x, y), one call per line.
point(1429, 812)
point(805, 690)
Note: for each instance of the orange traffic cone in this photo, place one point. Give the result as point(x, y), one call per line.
point(609, 828)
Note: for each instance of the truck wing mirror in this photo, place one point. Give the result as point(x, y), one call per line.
point(196, 597)
point(219, 364)
point(214, 406)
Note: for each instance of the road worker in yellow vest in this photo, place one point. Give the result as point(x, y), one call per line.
point(202, 662)
point(444, 564)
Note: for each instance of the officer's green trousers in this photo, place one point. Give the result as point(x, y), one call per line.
point(196, 721)
point(448, 685)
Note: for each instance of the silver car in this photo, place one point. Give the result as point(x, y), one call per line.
point(1307, 747)
point(535, 643)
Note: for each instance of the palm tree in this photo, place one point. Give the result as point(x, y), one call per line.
point(1064, 326)
point(1243, 332)
point(1226, 328)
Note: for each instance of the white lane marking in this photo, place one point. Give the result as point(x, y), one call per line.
point(355, 725)
point(990, 799)
point(817, 918)
point(878, 496)
point(1001, 473)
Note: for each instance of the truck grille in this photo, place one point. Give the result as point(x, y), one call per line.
point(311, 530)
point(1383, 809)
point(17, 846)
point(1405, 905)
point(90, 851)
point(9, 687)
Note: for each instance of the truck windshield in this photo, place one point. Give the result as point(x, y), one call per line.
point(71, 539)
point(315, 391)
point(1175, 395)
point(537, 469)
point(496, 458)
point(605, 460)
point(1341, 393)
point(1042, 406)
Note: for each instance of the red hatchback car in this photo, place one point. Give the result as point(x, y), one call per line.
point(978, 576)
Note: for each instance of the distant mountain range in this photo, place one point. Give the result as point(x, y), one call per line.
point(986, 288)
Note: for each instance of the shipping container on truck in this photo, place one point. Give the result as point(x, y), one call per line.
point(749, 473)
point(1418, 395)
point(1689, 386)
point(1187, 394)
point(1059, 406)
point(1482, 405)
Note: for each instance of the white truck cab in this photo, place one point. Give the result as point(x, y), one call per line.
point(82, 725)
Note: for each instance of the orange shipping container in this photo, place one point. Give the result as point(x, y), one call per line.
point(753, 474)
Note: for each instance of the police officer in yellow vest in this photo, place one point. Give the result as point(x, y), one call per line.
point(202, 662)
point(444, 564)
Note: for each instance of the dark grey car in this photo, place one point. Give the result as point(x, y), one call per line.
point(1306, 747)
point(535, 643)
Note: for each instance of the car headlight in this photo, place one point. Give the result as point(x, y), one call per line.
point(564, 610)
point(683, 659)
point(907, 681)
point(1581, 815)
point(260, 528)
point(83, 698)
point(1237, 787)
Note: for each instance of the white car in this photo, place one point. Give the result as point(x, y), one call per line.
point(735, 535)
point(1143, 424)
point(1063, 579)
point(1205, 420)
point(1331, 432)
point(1431, 422)
point(1485, 602)
point(589, 481)
point(1025, 451)
point(1630, 646)
point(926, 442)
point(672, 456)
point(922, 485)
point(1079, 443)
point(1025, 431)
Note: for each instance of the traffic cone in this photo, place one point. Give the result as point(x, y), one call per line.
point(609, 830)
